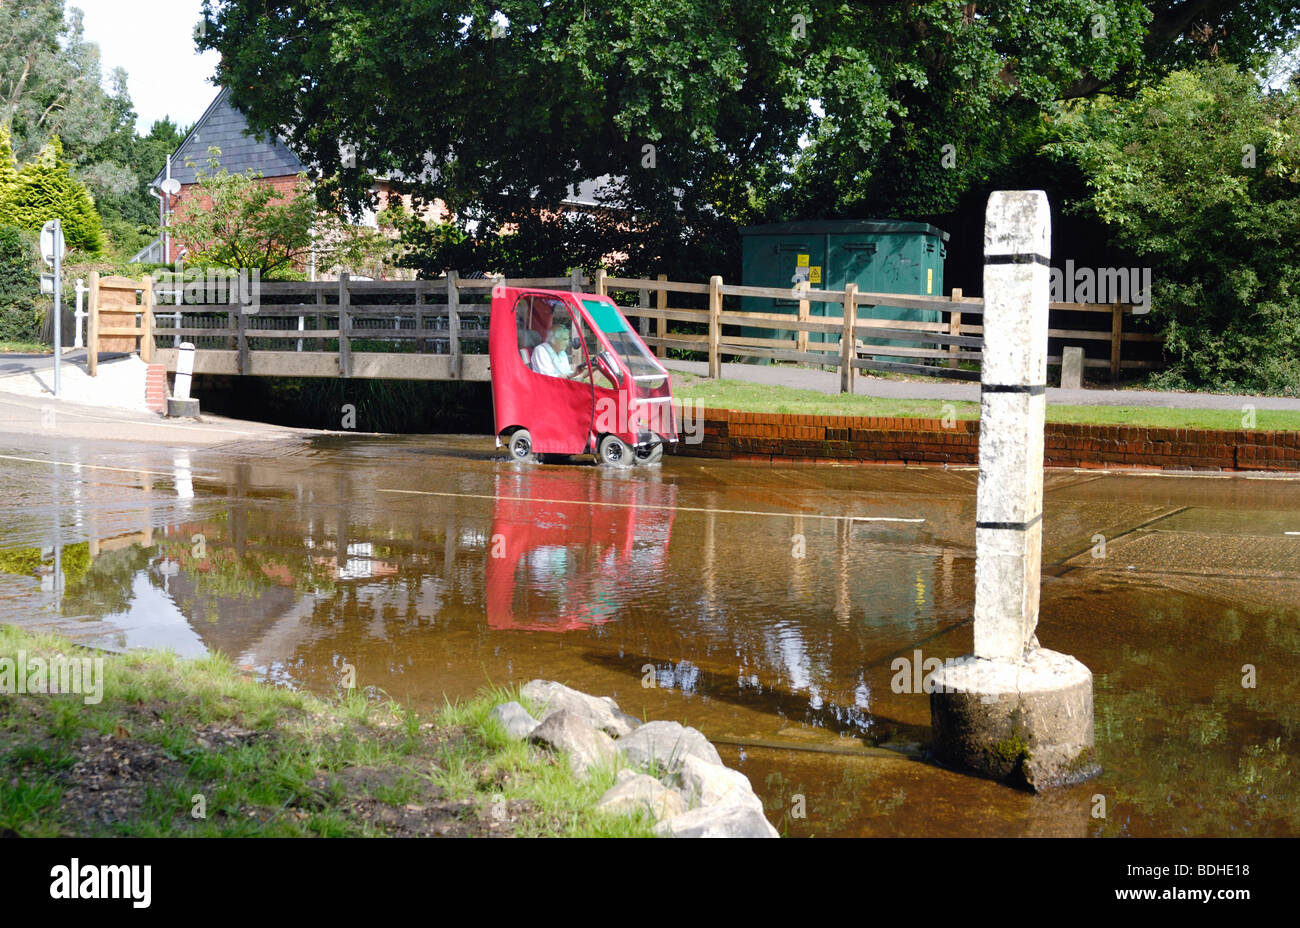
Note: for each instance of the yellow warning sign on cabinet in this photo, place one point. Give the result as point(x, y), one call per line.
point(802, 261)
point(929, 280)
point(815, 274)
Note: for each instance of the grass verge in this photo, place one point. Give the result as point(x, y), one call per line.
point(193, 748)
point(752, 397)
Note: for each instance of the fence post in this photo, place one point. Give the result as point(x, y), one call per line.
point(848, 341)
point(801, 337)
point(715, 326)
point(241, 340)
point(600, 281)
point(643, 323)
point(1116, 338)
point(92, 327)
point(575, 280)
point(954, 326)
point(345, 328)
point(419, 317)
point(453, 322)
point(661, 323)
point(146, 319)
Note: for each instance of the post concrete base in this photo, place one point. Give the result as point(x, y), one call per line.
point(182, 409)
point(1026, 723)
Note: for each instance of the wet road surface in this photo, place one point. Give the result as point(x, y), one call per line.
point(770, 607)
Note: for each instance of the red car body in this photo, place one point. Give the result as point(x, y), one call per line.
point(589, 393)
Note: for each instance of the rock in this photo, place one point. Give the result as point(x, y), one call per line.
point(601, 712)
point(570, 733)
point(515, 719)
point(717, 822)
point(636, 791)
point(666, 744)
point(707, 784)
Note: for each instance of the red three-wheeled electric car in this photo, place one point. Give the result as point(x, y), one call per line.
point(570, 376)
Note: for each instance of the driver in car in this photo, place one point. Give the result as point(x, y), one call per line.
point(552, 356)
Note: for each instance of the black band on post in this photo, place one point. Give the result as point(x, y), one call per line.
point(1017, 526)
point(1034, 389)
point(1018, 259)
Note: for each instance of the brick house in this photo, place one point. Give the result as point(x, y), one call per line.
point(225, 127)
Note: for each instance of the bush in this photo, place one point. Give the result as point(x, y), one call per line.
point(21, 311)
point(1200, 175)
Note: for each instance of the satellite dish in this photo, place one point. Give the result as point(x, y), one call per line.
point(170, 186)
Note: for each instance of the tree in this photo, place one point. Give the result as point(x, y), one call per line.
point(44, 189)
point(239, 221)
point(700, 107)
point(1200, 175)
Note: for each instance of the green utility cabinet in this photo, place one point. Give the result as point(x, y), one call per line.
point(879, 256)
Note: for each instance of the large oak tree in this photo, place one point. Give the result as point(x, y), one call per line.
point(714, 113)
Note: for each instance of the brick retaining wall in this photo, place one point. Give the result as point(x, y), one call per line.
point(781, 438)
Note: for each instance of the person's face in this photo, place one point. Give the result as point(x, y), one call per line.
point(560, 339)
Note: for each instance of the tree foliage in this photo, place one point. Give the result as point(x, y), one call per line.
point(1200, 175)
point(499, 108)
point(239, 221)
point(44, 189)
point(20, 316)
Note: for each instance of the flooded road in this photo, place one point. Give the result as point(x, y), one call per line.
point(786, 612)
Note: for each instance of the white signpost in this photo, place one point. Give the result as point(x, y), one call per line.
point(52, 249)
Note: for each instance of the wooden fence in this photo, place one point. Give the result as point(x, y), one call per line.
point(937, 349)
point(438, 329)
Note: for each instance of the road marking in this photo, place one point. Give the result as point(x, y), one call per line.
point(124, 470)
point(596, 502)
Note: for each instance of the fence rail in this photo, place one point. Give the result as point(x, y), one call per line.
point(438, 329)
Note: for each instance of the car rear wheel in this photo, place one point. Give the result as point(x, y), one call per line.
point(521, 447)
point(650, 453)
point(613, 451)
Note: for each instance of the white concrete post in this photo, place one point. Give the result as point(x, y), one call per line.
point(79, 314)
point(184, 371)
point(1072, 368)
point(1012, 710)
point(1013, 383)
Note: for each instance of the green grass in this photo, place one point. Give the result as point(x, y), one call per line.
point(25, 348)
point(751, 397)
point(269, 761)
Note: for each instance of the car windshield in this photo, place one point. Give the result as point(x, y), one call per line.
point(615, 327)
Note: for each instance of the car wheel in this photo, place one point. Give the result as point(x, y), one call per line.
point(521, 447)
point(613, 451)
point(650, 453)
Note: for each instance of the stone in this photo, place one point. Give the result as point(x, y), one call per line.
point(601, 712)
point(635, 792)
point(718, 822)
point(666, 744)
point(573, 735)
point(1027, 723)
point(705, 784)
point(1072, 368)
point(515, 719)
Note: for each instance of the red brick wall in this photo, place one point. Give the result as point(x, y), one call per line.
point(155, 388)
point(779, 438)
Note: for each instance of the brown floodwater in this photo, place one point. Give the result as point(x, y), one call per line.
point(767, 606)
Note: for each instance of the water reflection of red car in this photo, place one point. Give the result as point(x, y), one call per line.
point(568, 551)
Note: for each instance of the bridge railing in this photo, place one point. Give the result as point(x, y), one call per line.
point(418, 329)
